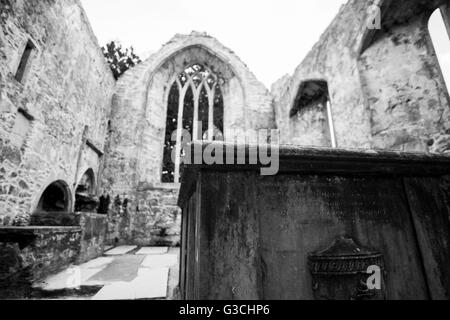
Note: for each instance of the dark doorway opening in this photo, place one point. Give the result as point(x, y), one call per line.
point(55, 198)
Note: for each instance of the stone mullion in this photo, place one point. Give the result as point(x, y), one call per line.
point(211, 96)
point(182, 91)
point(197, 93)
point(196, 96)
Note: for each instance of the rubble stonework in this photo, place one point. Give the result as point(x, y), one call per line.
point(151, 217)
point(68, 86)
point(386, 88)
point(65, 115)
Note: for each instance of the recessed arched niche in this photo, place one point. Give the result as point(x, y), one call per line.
point(54, 206)
point(311, 119)
point(55, 198)
point(85, 199)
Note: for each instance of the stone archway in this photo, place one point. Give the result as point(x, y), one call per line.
point(140, 105)
point(85, 200)
point(134, 163)
point(55, 199)
point(233, 95)
point(54, 207)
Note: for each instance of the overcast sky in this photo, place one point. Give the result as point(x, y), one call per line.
point(271, 36)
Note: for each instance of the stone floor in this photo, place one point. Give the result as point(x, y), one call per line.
point(123, 273)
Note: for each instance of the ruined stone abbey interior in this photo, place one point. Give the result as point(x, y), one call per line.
point(85, 160)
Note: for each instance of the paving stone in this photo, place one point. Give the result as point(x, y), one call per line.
point(120, 250)
point(122, 268)
point(116, 291)
point(151, 283)
point(152, 250)
point(160, 261)
point(98, 263)
point(124, 277)
point(71, 278)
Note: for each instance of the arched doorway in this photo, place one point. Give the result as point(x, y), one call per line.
point(85, 200)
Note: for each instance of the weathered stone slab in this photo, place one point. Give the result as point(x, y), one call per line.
point(149, 284)
point(71, 278)
point(152, 250)
point(390, 203)
point(75, 276)
point(120, 250)
point(123, 268)
point(98, 263)
point(50, 249)
point(116, 291)
point(160, 261)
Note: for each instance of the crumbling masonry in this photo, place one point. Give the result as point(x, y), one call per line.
point(65, 122)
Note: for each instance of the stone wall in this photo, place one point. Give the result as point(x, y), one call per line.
point(67, 86)
point(93, 237)
point(29, 254)
point(310, 127)
point(157, 219)
point(403, 83)
point(385, 86)
point(65, 115)
point(150, 218)
point(94, 229)
point(140, 106)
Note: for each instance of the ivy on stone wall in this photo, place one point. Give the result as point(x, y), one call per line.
point(120, 59)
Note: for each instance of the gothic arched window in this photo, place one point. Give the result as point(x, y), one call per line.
point(195, 104)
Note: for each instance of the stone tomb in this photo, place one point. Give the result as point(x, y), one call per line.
point(29, 254)
point(332, 224)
